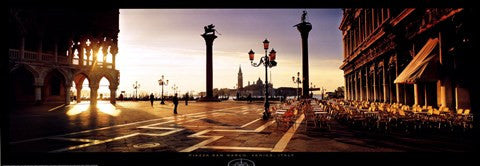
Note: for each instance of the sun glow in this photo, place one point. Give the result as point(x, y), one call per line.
point(108, 108)
point(78, 108)
point(104, 107)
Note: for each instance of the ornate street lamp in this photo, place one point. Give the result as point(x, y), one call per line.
point(297, 81)
point(162, 83)
point(175, 88)
point(136, 86)
point(267, 61)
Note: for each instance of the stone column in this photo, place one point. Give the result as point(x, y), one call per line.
point(79, 93)
point(80, 54)
point(70, 54)
point(366, 84)
point(88, 48)
point(304, 29)
point(38, 93)
point(361, 84)
point(104, 58)
point(114, 51)
point(355, 82)
point(352, 86)
point(385, 88)
point(346, 88)
point(397, 86)
point(416, 94)
point(375, 95)
point(209, 38)
point(113, 94)
point(93, 93)
point(95, 49)
point(67, 94)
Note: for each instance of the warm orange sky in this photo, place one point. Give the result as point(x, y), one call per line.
point(155, 42)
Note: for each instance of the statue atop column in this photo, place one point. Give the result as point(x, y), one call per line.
point(303, 19)
point(304, 15)
point(209, 30)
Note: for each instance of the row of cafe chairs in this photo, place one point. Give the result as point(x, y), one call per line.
point(315, 114)
point(386, 117)
point(285, 114)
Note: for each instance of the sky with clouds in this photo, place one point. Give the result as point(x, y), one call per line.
point(156, 42)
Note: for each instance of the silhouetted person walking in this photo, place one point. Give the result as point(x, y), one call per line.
point(186, 99)
point(175, 103)
point(249, 98)
point(151, 99)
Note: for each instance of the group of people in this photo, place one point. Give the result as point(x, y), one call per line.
point(174, 100)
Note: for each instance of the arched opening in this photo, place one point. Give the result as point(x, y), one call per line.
point(100, 57)
point(85, 57)
point(22, 80)
point(76, 60)
point(54, 87)
point(104, 89)
point(81, 87)
point(109, 58)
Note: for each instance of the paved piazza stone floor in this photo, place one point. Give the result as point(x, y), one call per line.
point(199, 127)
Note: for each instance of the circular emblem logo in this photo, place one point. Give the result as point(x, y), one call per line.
point(241, 162)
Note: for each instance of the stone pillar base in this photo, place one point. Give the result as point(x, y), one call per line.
point(209, 99)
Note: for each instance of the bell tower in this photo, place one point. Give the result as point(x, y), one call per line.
point(240, 78)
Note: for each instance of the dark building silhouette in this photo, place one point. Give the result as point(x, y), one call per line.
point(51, 48)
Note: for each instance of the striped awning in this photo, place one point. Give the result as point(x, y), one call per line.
point(423, 67)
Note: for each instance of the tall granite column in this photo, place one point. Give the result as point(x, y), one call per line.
point(304, 29)
point(209, 42)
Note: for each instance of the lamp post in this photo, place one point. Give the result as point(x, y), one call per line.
point(297, 81)
point(162, 83)
point(267, 61)
point(136, 86)
point(175, 88)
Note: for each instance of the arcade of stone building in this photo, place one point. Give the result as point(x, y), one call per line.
point(408, 56)
point(54, 49)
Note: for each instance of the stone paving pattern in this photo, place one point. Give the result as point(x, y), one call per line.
point(199, 127)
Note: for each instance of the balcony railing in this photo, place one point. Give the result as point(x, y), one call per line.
point(48, 57)
point(62, 59)
point(14, 54)
point(30, 55)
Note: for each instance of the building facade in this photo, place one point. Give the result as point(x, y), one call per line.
point(409, 56)
point(50, 50)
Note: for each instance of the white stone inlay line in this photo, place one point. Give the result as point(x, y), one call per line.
point(115, 126)
point(75, 139)
point(249, 123)
point(214, 138)
point(53, 109)
point(94, 143)
point(282, 143)
point(196, 116)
